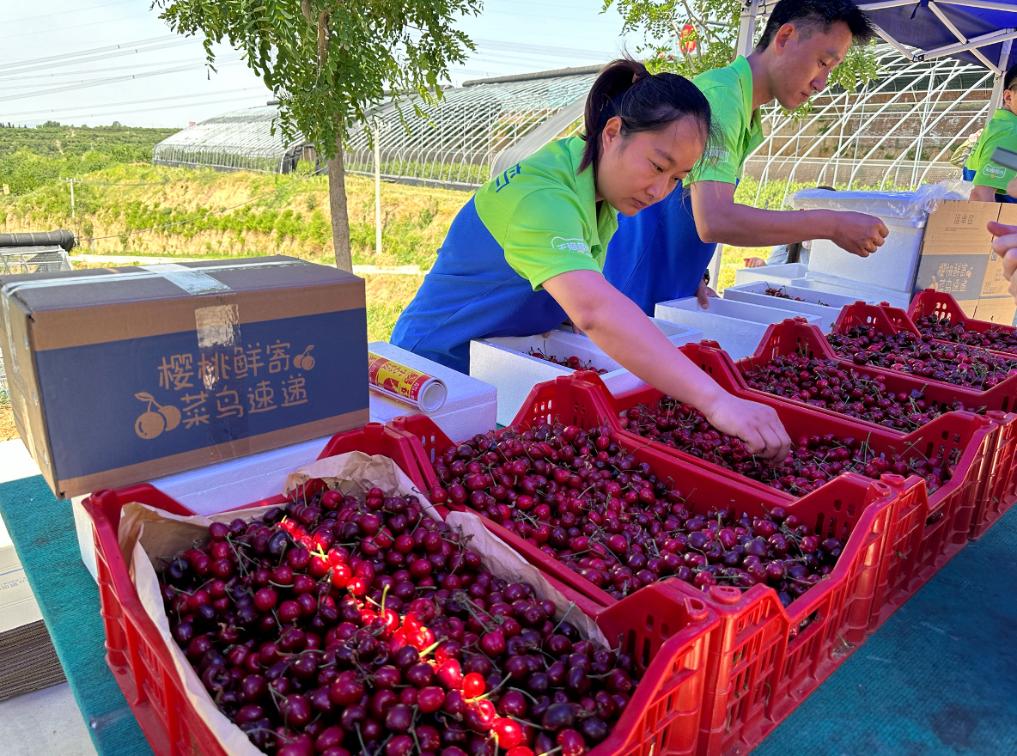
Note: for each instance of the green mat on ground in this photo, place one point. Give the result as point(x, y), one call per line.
point(42, 530)
point(939, 677)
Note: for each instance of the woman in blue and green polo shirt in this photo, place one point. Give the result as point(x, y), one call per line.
point(527, 251)
point(989, 178)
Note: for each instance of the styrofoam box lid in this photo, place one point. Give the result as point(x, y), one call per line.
point(725, 310)
point(463, 391)
point(811, 296)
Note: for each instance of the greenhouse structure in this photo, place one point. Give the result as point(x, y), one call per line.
point(895, 132)
point(244, 140)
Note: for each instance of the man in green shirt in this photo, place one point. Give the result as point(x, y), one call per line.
point(991, 179)
point(662, 252)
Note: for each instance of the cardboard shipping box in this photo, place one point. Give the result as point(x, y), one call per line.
point(123, 375)
point(957, 258)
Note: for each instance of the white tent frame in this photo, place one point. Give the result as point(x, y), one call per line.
point(757, 10)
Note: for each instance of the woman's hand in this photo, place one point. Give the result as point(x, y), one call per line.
point(756, 424)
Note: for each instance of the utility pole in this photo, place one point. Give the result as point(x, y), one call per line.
point(71, 183)
point(377, 192)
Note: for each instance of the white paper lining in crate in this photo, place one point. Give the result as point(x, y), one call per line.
point(505, 361)
point(470, 407)
point(147, 535)
point(895, 264)
point(737, 326)
point(824, 306)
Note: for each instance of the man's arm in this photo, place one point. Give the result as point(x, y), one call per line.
point(983, 194)
point(720, 219)
point(1005, 245)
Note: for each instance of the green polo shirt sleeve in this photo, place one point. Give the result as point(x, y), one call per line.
point(722, 160)
point(1001, 132)
point(545, 237)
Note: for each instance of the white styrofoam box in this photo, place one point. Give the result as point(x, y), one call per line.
point(823, 305)
point(834, 285)
point(86, 535)
point(895, 264)
point(736, 326)
point(470, 408)
point(784, 274)
point(505, 362)
point(676, 333)
point(222, 486)
point(215, 488)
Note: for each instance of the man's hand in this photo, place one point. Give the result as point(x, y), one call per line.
point(1005, 245)
point(704, 294)
point(754, 262)
point(858, 233)
point(756, 424)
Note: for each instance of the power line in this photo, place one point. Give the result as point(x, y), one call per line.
point(114, 69)
point(15, 21)
point(100, 82)
point(108, 51)
point(126, 113)
point(64, 86)
point(187, 97)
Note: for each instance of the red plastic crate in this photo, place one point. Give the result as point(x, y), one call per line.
point(667, 631)
point(890, 320)
point(886, 319)
point(761, 666)
point(998, 486)
point(953, 505)
point(945, 307)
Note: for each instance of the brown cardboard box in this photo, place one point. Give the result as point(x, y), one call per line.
point(122, 375)
point(957, 258)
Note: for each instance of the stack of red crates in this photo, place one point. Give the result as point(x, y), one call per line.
point(1000, 480)
point(765, 659)
point(668, 631)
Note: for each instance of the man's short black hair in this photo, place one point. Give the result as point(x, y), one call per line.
point(822, 13)
point(1010, 80)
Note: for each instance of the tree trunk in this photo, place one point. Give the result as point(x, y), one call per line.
point(337, 206)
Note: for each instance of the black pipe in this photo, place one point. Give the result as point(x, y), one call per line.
point(61, 238)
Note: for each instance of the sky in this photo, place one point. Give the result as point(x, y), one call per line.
point(92, 62)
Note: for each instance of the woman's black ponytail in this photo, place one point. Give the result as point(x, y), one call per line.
point(644, 101)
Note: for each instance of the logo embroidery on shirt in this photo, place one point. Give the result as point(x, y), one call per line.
point(570, 245)
point(503, 180)
point(995, 171)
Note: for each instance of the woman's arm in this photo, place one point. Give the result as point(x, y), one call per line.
point(622, 330)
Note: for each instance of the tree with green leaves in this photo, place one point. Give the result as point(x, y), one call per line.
point(330, 62)
point(692, 36)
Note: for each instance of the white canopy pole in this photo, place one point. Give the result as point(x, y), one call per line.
point(751, 11)
point(997, 86)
